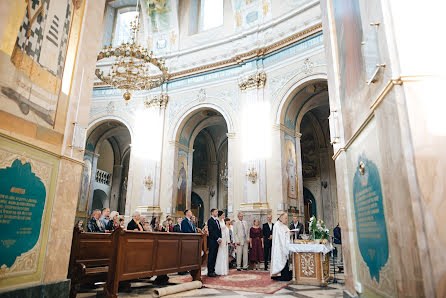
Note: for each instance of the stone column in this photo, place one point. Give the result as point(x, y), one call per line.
point(231, 164)
point(149, 204)
point(254, 134)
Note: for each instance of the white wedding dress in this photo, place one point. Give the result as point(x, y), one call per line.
point(222, 261)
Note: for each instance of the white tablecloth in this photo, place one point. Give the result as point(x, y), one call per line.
point(315, 248)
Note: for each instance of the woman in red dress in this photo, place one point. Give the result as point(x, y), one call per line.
point(256, 244)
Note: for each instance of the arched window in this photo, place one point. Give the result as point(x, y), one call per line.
point(122, 25)
point(205, 15)
point(211, 15)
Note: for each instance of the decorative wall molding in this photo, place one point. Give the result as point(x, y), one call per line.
point(256, 80)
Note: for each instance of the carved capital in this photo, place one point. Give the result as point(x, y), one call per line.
point(256, 80)
point(157, 101)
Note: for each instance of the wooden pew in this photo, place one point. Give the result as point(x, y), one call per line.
point(143, 254)
point(89, 259)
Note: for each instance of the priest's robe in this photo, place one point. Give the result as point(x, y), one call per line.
point(279, 252)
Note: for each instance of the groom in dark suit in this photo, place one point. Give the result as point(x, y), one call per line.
point(267, 239)
point(214, 240)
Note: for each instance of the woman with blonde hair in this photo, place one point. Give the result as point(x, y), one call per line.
point(113, 223)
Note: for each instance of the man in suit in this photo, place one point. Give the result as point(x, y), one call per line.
point(214, 239)
point(187, 225)
point(177, 227)
point(267, 239)
point(94, 223)
point(295, 224)
point(241, 239)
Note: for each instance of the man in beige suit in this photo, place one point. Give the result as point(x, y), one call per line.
point(241, 239)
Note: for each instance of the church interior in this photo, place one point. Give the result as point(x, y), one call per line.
point(322, 111)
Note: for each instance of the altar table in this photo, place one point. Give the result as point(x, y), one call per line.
point(311, 263)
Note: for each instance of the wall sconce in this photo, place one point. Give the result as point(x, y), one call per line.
point(148, 182)
point(324, 184)
point(212, 192)
point(252, 175)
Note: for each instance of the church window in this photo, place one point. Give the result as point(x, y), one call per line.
point(122, 25)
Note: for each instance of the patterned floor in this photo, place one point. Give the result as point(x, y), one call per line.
point(144, 289)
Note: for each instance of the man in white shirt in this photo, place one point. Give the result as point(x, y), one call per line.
point(296, 225)
point(241, 239)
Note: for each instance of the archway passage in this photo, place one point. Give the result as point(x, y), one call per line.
point(197, 208)
point(309, 207)
point(202, 162)
point(306, 113)
point(104, 179)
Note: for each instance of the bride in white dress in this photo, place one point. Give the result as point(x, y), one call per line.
point(222, 261)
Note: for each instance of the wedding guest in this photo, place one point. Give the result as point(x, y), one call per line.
point(256, 244)
point(194, 220)
point(296, 225)
point(134, 224)
point(267, 239)
point(94, 223)
point(121, 222)
point(170, 224)
point(165, 226)
point(177, 227)
point(142, 220)
point(113, 223)
point(231, 244)
point(80, 224)
point(154, 223)
point(187, 226)
point(146, 227)
point(241, 238)
point(105, 218)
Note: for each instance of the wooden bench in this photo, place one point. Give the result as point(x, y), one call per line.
point(89, 259)
point(143, 254)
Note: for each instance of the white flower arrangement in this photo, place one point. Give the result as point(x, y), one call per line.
point(317, 229)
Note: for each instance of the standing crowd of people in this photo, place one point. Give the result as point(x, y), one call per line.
point(229, 241)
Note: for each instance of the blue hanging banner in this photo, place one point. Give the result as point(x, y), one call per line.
point(369, 213)
point(22, 200)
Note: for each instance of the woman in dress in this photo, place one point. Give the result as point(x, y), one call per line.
point(113, 224)
point(222, 261)
point(256, 244)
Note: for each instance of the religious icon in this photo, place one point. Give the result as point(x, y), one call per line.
point(182, 184)
point(291, 170)
point(85, 185)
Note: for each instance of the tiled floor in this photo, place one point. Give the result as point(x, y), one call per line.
point(144, 289)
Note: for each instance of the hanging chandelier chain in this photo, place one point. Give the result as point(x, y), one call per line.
point(130, 70)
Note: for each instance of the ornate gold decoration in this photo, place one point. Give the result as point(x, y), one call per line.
point(307, 267)
point(148, 182)
point(252, 175)
point(256, 80)
point(239, 59)
point(130, 70)
point(157, 101)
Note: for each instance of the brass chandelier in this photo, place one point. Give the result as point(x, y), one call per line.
point(131, 69)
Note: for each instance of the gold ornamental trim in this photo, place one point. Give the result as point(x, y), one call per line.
point(241, 58)
point(255, 205)
point(256, 80)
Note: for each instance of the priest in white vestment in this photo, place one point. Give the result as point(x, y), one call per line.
point(279, 252)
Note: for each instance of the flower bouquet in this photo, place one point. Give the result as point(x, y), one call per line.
point(318, 231)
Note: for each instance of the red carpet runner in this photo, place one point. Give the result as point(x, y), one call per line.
point(247, 281)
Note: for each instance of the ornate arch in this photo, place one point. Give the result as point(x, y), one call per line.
point(285, 95)
point(190, 109)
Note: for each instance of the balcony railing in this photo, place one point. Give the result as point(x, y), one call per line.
point(103, 177)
